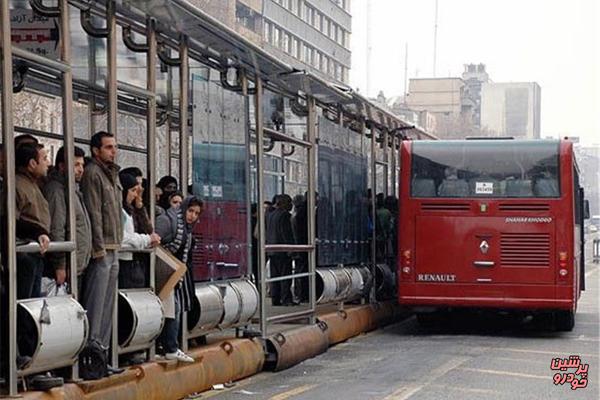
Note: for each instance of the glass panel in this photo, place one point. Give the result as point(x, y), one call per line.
point(219, 177)
point(342, 213)
point(485, 168)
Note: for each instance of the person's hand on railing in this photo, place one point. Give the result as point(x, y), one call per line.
point(44, 242)
point(154, 239)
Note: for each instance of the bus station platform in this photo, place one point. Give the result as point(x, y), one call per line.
point(227, 358)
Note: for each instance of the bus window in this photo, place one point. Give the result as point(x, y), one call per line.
point(485, 168)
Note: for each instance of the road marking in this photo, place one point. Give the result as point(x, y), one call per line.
point(467, 389)
point(292, 392)
point(553, 352)
point(406, 391)
point(508, 373)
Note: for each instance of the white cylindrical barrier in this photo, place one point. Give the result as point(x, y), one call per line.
point(207, 309)
point(232, 306)
point(367, 279)
point(356, 284)
point(326, 286)
point(52, 331)
point(248, 295)
point(343, 283)
point(141, 317)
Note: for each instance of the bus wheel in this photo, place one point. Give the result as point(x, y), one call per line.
point(564, 321)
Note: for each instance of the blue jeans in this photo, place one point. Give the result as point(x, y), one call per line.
point(169, 336)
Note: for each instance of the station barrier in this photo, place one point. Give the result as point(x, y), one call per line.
point(52, 331)
point(141, 317)
point(229, 359)
point(346, 284)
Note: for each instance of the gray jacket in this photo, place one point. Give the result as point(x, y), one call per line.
point(102, 197)
point(55, 191)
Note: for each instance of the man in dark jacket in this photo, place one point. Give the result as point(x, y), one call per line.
point(56, 193)
point(33, 217)
point(300, 228)
point(102, 197)
point(279, 231)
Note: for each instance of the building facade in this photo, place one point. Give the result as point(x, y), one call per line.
point(312, 35)
point(474, 77)
point(511, 109)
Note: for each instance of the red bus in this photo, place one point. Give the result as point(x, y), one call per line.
point(491, 224)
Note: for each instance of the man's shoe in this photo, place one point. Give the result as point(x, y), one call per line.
point(45, 382)
point(113, 371)
point(179, 356)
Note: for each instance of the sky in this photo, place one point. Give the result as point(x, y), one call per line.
point(551, 42)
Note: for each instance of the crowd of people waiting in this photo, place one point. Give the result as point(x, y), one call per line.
point(111, 213)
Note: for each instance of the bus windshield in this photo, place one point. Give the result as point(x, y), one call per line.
point(485, 168)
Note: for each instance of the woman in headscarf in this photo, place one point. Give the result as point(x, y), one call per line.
point(132, 271)
point(175, 229)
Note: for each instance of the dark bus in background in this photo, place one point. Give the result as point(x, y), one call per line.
point(493, 224)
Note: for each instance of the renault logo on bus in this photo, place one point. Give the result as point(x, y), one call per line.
point(436, 277)
point(484, 246)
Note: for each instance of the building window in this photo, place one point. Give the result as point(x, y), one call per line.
point(285, 42)
point(294, 6)
point(324, 61)
point(247, 17)
point(294, 47)
point(276, 36)
point(304, 13)
point(267, 29)
point(306, 57)
point(317, 63)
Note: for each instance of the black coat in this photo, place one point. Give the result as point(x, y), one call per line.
point(279, 227)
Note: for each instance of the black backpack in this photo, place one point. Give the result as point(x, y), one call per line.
point(93, 361)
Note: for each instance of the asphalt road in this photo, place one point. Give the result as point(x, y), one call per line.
point(470, 357)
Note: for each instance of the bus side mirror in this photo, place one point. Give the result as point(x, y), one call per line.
point(586, 209)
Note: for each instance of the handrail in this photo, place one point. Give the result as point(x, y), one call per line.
point(291, 316)
point(293, 248)
point(288, 277)
point(53, 247)
point(40, 60)
point(131, 249)
point(282, 137)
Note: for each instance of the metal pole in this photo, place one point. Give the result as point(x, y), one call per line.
point(384, 146)
point(373, 211)
point(247, 141)
point(151, 138)
point(9, 201)
point(184, 73)
point(111, 78)
point(311, 122)
point(258, 115)
point(111, 127)
point(69, 146)
point(393, 164)
point(184, 69)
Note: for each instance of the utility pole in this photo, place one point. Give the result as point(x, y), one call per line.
point(435, 29)
point(369, 49)
point(405, 70)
